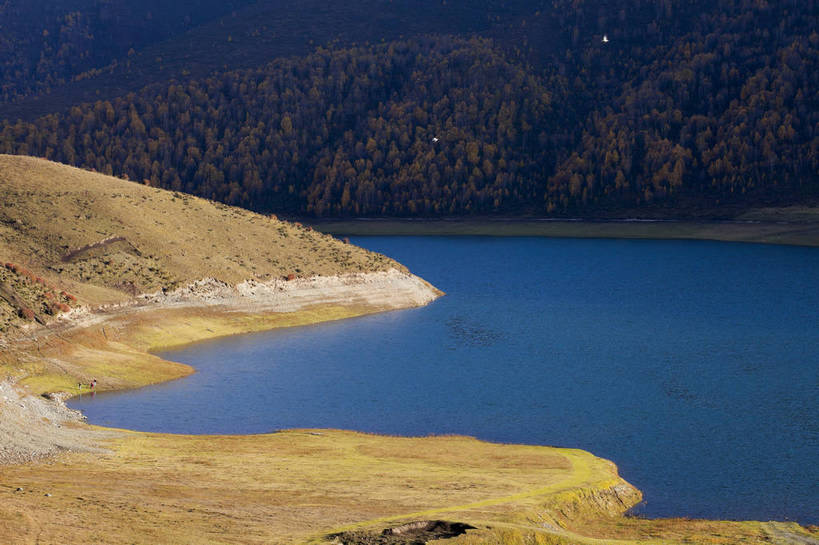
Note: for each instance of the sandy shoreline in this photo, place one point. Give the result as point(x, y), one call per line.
point(86, 342)
point(391, 289)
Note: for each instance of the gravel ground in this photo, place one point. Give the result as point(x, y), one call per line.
point(35, 427)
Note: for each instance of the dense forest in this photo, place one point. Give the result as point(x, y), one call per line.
point(686, 107)
point(64, 52)
point(45, 44)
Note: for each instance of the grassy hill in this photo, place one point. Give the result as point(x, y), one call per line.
point(69, 237)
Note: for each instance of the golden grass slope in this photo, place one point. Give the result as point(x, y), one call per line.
point(139, 239)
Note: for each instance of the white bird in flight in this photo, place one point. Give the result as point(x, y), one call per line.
point(605, 39)
point(434, 139)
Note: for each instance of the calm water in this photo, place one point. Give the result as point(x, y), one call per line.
point(693, 365)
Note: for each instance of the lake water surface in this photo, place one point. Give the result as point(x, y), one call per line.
point(692, 365)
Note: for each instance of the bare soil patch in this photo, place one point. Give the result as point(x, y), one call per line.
point(411, 533)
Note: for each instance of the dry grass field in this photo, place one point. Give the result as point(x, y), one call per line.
point(306, 486)
point(71, 238)
point(288, 487)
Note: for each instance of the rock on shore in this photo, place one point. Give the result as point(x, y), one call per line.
point(34, 427)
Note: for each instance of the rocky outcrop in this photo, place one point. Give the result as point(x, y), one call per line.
point(608, 500)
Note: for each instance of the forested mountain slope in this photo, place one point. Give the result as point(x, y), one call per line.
point(43, 44)
point(687, 108)
point(74, 51)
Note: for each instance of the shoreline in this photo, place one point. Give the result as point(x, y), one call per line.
point(115, 344)
point(203, 309)
point(763, 230)
point(566, 490)
point(208, 309)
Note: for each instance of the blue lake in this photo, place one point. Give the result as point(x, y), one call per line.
point(692, 365)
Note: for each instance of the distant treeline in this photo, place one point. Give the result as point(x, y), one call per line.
point(701, 106)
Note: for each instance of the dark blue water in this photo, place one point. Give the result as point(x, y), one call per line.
point(693, 365)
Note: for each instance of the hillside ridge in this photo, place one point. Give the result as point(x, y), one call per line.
point(69, 237)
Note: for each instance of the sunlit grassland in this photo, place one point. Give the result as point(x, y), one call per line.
point(302, 486)
point(292, 486)
point(50, 212)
